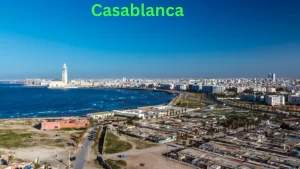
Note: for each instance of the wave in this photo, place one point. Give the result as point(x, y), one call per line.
point(74, 102)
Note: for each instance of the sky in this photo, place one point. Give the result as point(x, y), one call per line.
point(215, 39)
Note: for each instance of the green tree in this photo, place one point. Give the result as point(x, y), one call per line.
point(184, 144)
point(203, 125)
point(37, 166)
point(196, 132)
point(211, 131)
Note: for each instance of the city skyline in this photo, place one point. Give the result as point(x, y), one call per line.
point(212, 40)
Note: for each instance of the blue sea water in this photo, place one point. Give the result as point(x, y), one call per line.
point(18, 101)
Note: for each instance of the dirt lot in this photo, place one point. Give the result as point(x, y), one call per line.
point(150, 155)
point(23, 139)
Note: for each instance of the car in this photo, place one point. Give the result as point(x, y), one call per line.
point(82, 147)
point(3, 162)
point(73, 158)
point(61, 160)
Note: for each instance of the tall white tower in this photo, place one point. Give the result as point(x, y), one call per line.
point(273, 77)
point(64, 74)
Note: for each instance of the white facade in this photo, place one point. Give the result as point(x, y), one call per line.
point(258, 89)
point(64, 74)
point(130, 113)
point(271, 90)
point(275, 100)
point(240, 89)
point(101, 115)
point(57, 84)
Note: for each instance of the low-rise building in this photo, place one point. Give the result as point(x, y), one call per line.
point(271, 90)
point(100, 115)
point(213, 89)
point(169, 86)
point(195, 88)
point(130, 113)
point(252, 98)
point(275, 100)
point(51, 124)
point(180, 87)
point(258, 89)
point(294, 99)
point(240, 89)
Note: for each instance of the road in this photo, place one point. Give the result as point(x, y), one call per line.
point(82, 154)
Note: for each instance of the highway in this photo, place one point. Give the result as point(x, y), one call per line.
point(84, 149)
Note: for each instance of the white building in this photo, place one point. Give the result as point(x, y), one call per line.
point(130, 113)
point(61, 83)
point(240, 89)
point(258, 89)
point(100, 115)
point(275, 100)
point(271, 90)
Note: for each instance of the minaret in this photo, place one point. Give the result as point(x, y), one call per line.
point(64, 74)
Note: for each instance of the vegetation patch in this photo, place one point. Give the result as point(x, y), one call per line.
point(114, 145)
point(73, 129)
point(189, 103)
point(116, 164)
point(143, 144)
point(10, 139)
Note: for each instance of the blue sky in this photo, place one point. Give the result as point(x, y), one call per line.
point(216, 38)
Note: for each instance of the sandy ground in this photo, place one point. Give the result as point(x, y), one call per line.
point(151, 157)
point(43, 145)
point(44, 154)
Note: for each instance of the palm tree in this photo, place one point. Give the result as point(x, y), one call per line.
point(10, 159)
point(196, 131)
point(184, 144)
point(218, 124)
point(211, 130)
point(37, 166)
point(224, 131)
point(77, 140)
point(203, 125)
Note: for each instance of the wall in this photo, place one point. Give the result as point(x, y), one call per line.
point(50, 125)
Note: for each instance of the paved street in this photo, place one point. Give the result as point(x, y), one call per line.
point(82, 154)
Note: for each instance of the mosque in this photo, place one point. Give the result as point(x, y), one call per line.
point(61, 83)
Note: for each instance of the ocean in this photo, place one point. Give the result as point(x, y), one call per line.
point(18, 101)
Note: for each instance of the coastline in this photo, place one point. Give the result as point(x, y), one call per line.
point(171, 92)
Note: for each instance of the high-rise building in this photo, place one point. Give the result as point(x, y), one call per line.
point(273, 77)
point(269, 75)
point(65, 74)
